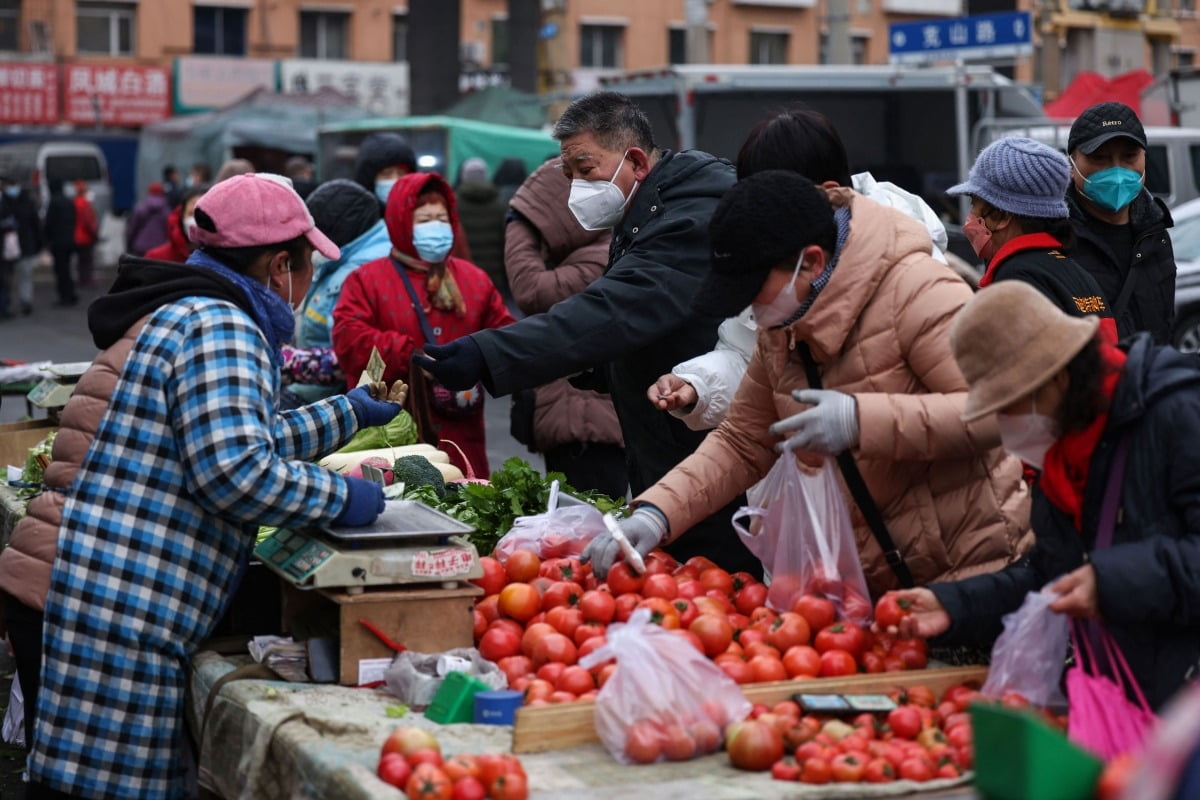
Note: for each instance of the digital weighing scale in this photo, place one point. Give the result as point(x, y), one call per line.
point(410, 543)
point(54, 390)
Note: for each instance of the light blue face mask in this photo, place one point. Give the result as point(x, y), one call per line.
point(1112, 188)
point(383, 189)
point(12, 191)
point(433, 240)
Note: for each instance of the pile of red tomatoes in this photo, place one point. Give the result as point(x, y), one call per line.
point(538, 618)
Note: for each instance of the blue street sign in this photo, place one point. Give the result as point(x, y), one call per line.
point(548, 31)
point(981, 36)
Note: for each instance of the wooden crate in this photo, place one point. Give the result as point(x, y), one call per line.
point(17, 437)
point(554, 727)
point(425, 620)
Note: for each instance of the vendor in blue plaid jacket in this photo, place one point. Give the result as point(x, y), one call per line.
point(190, 455)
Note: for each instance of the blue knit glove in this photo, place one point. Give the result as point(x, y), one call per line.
point(371, 412)
point(458, 365)
point(364, 504)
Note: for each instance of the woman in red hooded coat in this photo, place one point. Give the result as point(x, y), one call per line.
point(376, 306)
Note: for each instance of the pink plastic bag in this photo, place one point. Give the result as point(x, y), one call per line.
point(1101, 718)
point(666, 700)
point(561, 532)
point(800, 530)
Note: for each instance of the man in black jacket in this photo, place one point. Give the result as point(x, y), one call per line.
point(1121, 228)
point(635, 322)
point(19, 219)
point(59, 230)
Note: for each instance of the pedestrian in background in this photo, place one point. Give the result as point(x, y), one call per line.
point(234, 166)
point(1121, 229)
point(199, 175)
point(22, 243)
point(87, 234)
point(300, 170)
point(172, 184)
point(180, 222)
point(549, 257)
point(481, 212)
point(59, 229)
point(510, 174)
point(147, 225)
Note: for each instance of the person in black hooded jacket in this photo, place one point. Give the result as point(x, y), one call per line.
point(60, 239)
point(1069, 401)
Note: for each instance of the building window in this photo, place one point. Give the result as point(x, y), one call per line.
point(600, 45)
point(858, 49)
point(10, 15)
point(499, 42)
point(399, 37)
point(218, 30)
point(105, 28)
point(768, 48)
point(677, 46)
point(1185, 58)
point(324, 34)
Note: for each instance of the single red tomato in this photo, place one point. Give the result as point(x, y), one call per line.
point(913, 652)
point(509, 786)
point(785, 769)
point(660, 585)
point(879, 770)
point(847, 768)
point(738, 670)
point(802, 661)
point(561, 593)
point(754, 746)
point(750, 597)
point(1116, 777)
point(841, 636)
point(688, 587)
point(427, 755)
point(589, 630)
point(428, 782)
point(905, 721)
point(625, 605)
point(522, 566)
point(533, 634)
point(767, 668)
point(498, 643)
point(576, 680)
point(788, 630)
point(520, 601)
point(565, 619)
point(598, 606)
point(555, 647)
point(707, 736)
point(408, 740)
point(515, 667)
point(479, 623)
point(715, 578)
point(678, 744)
point(394, 770)
point(817, 611)
point(892, 608)
point(563, 569)
point(915, 769)
point(623, 580)
point(461, 766)
point(837, 662)
point(468, 788)
point(687, 611)
point(494, 576)
point(815, 770)
point(699, 563)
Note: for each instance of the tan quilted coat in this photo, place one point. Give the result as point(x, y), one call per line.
point(954, 502)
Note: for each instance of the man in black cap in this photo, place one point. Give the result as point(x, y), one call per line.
point(1121, 227)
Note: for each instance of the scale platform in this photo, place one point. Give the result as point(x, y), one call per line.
point(410, 543)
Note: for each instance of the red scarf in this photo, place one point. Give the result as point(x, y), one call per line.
point(1026, 241)
point(1065, 472)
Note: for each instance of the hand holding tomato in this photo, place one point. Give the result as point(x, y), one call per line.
point(926, 617)
point(1077, 593)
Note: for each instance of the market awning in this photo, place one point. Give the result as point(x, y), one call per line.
point(1090, 88)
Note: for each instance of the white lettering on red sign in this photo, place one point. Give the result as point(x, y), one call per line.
point(132, 95)
point(441, 563)
point(29, 93)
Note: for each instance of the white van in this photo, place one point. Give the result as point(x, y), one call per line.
point(35, 164)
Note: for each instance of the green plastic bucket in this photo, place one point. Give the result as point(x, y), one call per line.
point(455, 699)
point(1018, 756)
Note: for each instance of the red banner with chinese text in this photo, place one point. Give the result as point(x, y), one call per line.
point(28, 93)
point(115, 95)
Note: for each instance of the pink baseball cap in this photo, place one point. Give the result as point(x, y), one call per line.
point(256, 209)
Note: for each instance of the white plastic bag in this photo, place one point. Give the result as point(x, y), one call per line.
point(666, 700)
point(14, 718)
point(561, 532)
point(800, 530)
point(415, 678)
point(1031, 653)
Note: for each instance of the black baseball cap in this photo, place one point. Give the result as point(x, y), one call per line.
point(763, 220)
point(1103, 122)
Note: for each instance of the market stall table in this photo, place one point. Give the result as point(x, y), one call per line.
point(270, 739)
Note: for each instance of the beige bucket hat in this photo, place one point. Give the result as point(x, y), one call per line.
point(1009, 340)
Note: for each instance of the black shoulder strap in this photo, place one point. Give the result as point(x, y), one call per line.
point(858, 488)
point(1126, 291)
point(426, 328)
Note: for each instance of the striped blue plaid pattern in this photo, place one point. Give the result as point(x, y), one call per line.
point(190, 457)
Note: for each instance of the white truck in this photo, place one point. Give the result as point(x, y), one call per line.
point(910, 125)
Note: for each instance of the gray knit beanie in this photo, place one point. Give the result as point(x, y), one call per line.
point(1020, 176)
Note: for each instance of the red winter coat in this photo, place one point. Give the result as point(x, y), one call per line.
point(374, 310)
point(87, 229)
point(176, 248)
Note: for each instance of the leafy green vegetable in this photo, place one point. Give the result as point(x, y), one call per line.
point(515, 490)
point(402, 430)
point(32, 472)
point(396, 711)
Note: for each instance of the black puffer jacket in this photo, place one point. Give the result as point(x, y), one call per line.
point(1037, 259)
point(634, 323)
point(1151, 306)
point(1148, 581)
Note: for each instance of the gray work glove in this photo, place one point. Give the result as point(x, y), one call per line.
point(828, 428)
point(644, 529)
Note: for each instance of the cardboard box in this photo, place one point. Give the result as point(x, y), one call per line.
point(17, 437)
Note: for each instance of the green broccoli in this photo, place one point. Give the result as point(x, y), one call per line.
point(416, 471)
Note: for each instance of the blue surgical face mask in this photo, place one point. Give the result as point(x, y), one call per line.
point(12, 191)
point(1112, 188)
point(383, 189)
point(433, 240)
